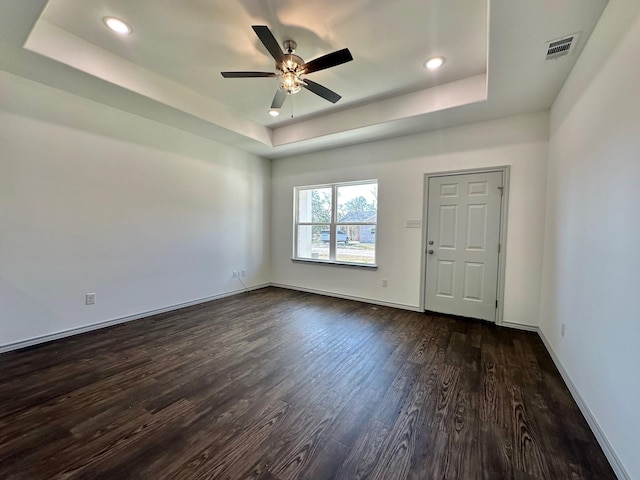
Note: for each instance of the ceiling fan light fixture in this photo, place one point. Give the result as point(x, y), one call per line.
point(117, 25)
point(434, 63)
point(290, 83)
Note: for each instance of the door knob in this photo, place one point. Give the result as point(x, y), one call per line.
point(430, 252)
point(430, 242)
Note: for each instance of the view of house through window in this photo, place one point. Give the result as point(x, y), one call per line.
point(336, 223)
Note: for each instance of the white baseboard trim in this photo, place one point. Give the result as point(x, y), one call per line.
point(108, 323)
point(520, 326)
point(349, 297)
point(608, 450)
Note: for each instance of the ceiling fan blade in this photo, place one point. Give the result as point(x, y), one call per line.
point(329, 60)
point(278, 99)
point(269, 41)
point(247, 74)
point(324, 92)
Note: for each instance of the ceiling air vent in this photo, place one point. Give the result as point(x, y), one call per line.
point(561, 46)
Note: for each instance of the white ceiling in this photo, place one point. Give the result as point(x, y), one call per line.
point(168, 69)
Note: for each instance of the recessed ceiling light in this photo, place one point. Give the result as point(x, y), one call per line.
point(434, 63)
point(117, 25)
point(274, 113)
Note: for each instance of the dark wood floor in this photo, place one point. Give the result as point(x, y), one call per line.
point(282, 385)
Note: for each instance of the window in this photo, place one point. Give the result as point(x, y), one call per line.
point(336, 223)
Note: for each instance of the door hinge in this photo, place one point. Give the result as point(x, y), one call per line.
point(498, 248)
point(496, 303)
point(501, 188)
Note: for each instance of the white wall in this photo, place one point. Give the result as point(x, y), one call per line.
point(400, 165)
point(591, 279)
point(93, 199)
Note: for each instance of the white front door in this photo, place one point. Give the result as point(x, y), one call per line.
point(463, 235)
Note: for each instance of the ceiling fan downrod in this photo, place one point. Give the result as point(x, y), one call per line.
point(289, 46)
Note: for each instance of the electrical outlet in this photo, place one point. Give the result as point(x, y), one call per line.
point(562, 330)
point(385, 283)
point(90, 299)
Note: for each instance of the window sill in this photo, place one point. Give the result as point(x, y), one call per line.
point(335, 264)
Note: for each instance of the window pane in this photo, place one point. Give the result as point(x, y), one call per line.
point(361, 245)
point(313, 242)
point(352, 219)
point(314, 205)
point(358, 203)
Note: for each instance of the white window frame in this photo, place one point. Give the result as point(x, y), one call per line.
point(334, 226)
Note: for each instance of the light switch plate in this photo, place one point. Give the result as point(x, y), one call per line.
point(414, 223)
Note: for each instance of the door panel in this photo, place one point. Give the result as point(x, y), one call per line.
point(449, 190)
point(446, 278)
point(463, 232)
point(476, 227)
point(448, 230)
point(473, 281)
point(477, 188)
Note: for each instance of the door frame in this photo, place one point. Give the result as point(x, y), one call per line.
point(504, 210)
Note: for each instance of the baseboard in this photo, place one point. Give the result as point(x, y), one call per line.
point(520, 326)
point(348, 297)
point(116, 321)
point(108, 323)
point(608, 450)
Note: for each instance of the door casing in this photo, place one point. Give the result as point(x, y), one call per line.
point(504, 210)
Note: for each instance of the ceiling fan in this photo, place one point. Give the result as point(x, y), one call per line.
point(291, 68)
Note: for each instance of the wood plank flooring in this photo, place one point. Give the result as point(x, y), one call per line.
point(280, 385)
